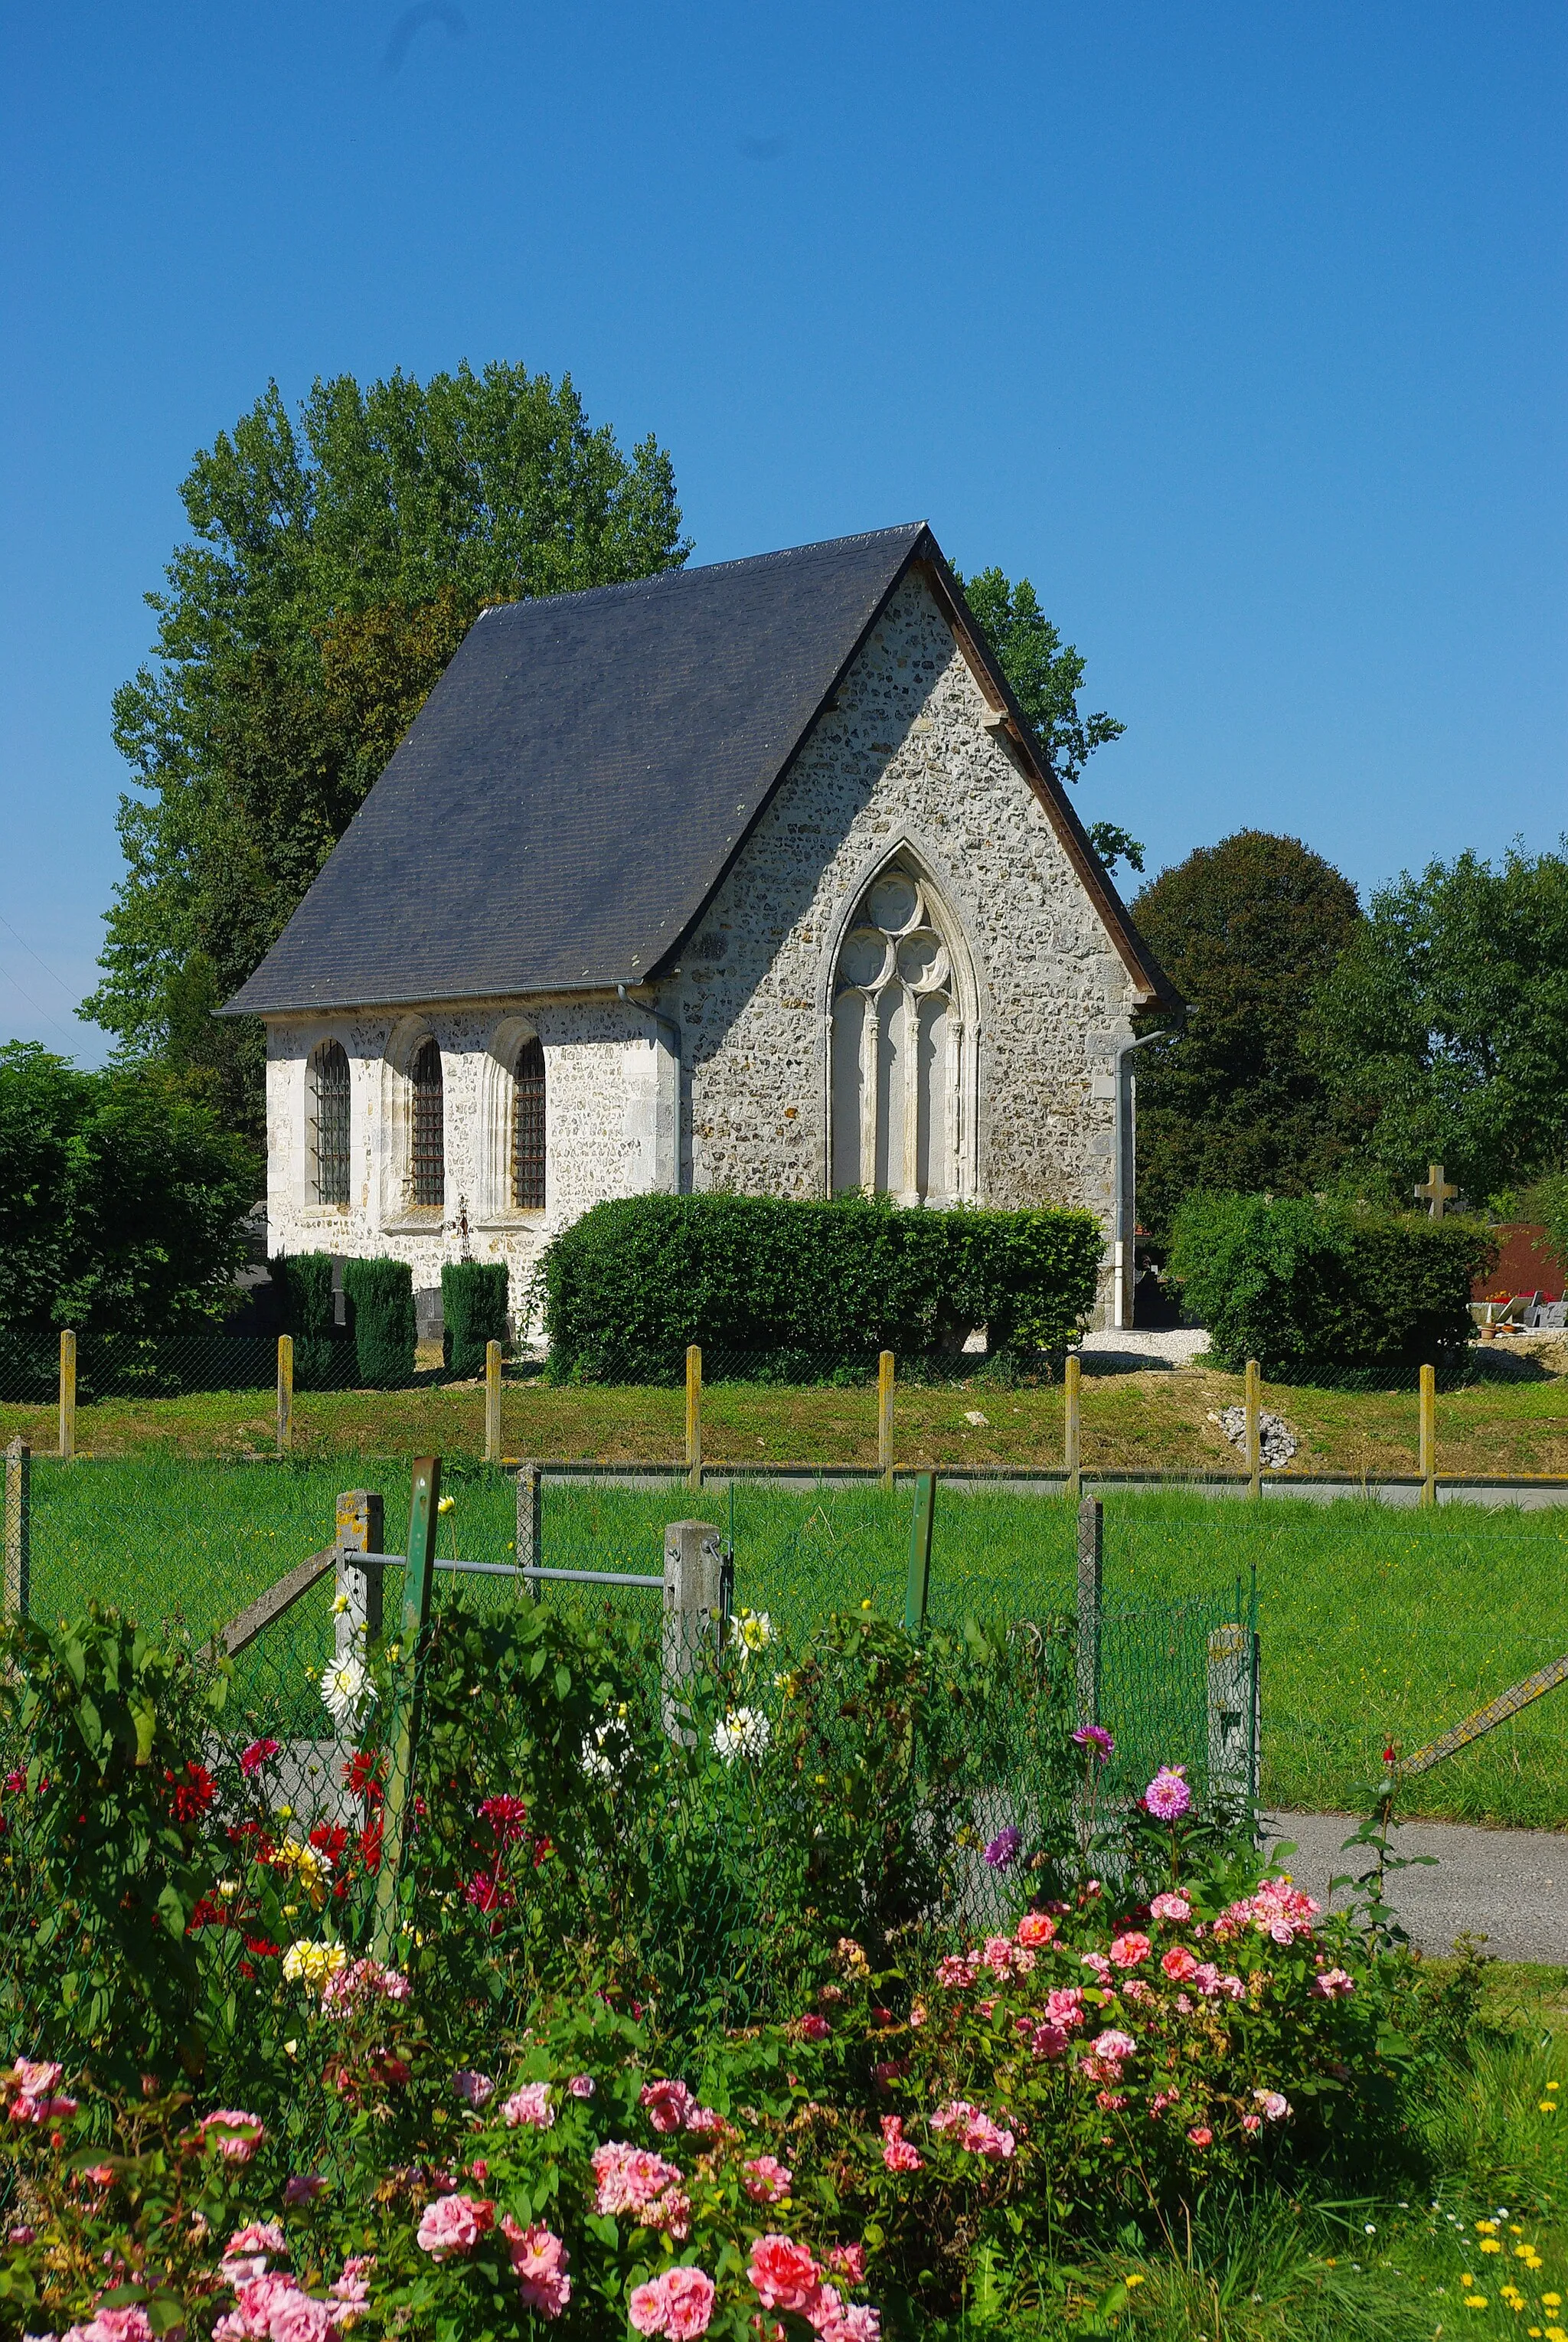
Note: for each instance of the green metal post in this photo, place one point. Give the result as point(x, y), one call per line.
point(920, 1529)
point(404, 1723)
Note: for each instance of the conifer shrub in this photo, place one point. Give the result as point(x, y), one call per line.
point(381, 1305)
point(1323, 1288)
point(302, 1282)
point(473, 1312)
point(783, 1291)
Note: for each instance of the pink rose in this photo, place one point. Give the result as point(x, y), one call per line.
point(1064, 2008)
point(1201, 2135)
point(1047, 2041)
point(847, 2261)
point(765, 2179)
point(957, 1970)
point(784, 2273)
point(474, 2089)
point(452, 2224)
point(1270, 2104)
point(303, 2187)
point(670, 2105)
point(1170, 1906)
point(679, 2303)
point(530, 2105)
point(1035, 1928)
point(1098, 1963)
point(1252, 2122)
point(238, 2134)
point(1179, 1964)
point(246, 2254)
point(302, 2319)
point(581, 2085)
point(1128, 1949)
point(897, 2153)
point(814, 2028)
point(1114, 2045)
point(538, 2259)
point(1332, 1983)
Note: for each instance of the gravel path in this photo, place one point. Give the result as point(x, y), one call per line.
point(1509, 1886)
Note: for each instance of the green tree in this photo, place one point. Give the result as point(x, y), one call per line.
point(1245, 929)
point(120, 1198)
point(336, 563)
point(1442, 1031)
point(1046, 676)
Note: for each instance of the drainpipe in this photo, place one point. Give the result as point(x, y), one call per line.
point(672, 1031)
point(1121, 1293)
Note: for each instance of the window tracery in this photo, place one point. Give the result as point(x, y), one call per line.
point(897, 1046)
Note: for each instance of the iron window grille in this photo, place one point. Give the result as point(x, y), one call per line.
point(330, 1072)
point(528, 1129)
point(429, 1127)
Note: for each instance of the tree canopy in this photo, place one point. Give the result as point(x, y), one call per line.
point(1442, 1029)
point(120, 1198)
point(1245, 929)
point(337, 560)
point(1046, 676)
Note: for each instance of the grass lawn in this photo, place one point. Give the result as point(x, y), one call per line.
point(1377, 1625)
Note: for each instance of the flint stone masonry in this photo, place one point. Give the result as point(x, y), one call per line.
point(903, 764)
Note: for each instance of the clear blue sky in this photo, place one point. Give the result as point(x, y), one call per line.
point(1239, 329)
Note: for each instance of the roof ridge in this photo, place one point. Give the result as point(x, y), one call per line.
point(705, 569)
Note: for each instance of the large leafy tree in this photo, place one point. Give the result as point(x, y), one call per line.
point(336, 561)
point(1245, 929)
point(1046, 676)
point(1444, 1028)
point(120, 1198)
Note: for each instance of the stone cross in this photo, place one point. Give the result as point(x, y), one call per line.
point(1436, 1191)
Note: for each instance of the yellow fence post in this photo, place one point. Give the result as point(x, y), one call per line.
point(493, 1402)
point(1428, 1436)
point(1255, 1433)
point(885, 1417)
point(1072, 1428)
point(285, 1394)
point(694, 1417)
point(67, 1393)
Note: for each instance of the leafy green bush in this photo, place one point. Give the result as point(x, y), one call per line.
point(472, 1311)
point(1303, 1286)
point(381, 1305)
point(306, 1309)
point(786, 1287)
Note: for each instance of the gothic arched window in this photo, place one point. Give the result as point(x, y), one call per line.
point(329, 1122)
point(897, 1046)
point(528, 1129)
point(429, 1151)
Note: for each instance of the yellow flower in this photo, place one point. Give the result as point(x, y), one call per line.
point(1137, 2277)
point(1485, 2228)
point(1475, 2301)
point(1548, 2105)
point(1554, 2086)
point(445, 1503)
point(1550, 2300)
point(1489, 2245)
point(1556, 2334)
point(339, 1603)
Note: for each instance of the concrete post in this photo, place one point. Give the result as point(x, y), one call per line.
point(67, 1394)
point(284, 1394)
point(885, 1417)
point(1254, 1431)
point(695, 1418)
point(1233, 1758)
point(1091, 1564)
point(360, 1529)
point(529, 1546)
point(694, 1565)
point(18, 1529)
point(1072, 1428)
point(1428, 1436)
point(493, 1402)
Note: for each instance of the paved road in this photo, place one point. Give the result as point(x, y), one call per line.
point(1510, 1885)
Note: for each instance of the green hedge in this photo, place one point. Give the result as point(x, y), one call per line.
point(473, 1312)
point(793, 1292)
point(302, 1282)
point(381, 1305)
point(1321, 1287)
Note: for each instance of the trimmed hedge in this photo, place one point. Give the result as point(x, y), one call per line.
point(381, 1299)
point(473, 1312)
point(1321, 1287)
point(794, 1292)
point(303, 1281)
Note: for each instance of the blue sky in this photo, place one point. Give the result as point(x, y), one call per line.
point(1239, 329)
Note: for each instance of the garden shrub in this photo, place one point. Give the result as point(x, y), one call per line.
point(307, 1312)
point(778, 1289)
point(1308, 1286)
point(381, 1305)
point(473, 1312)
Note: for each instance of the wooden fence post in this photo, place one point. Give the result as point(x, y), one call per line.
point(885, 1417)
point(360, 1529)
point(1428, 1436)
point(284, 1394)
point(67, 1394)
point(1072, 1428)
point(694, 1417)
point(1255, 1434)
point(530, 1546)
point(18, 1529)
point(1090, 1567)
point(694, 1612)
point(493, 1402)
point(403, 1739)
point(917, 1588)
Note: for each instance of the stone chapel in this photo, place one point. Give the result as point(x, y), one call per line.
point(748, 876)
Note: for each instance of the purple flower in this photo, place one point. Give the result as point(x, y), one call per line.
point(1003, 1849)
point(1095, 1737)
point(1167, 1795)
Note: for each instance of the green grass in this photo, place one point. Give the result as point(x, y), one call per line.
point(1377, 1625)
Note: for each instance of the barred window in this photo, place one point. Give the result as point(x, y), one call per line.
point(528, 1129)
point(429, 1130)
point(329, 1102)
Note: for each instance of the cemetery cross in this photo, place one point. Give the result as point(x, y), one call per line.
point(1436, 1192)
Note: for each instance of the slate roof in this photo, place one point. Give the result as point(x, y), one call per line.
point(582, 777)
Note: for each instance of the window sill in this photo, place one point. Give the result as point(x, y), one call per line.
point(414, 1219)
point(518, 1216)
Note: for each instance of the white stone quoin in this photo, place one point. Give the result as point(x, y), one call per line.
point(902, 983)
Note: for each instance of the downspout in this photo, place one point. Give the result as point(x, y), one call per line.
point(671, 1029)
point(1120, 1311)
